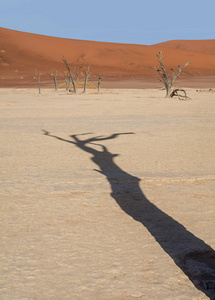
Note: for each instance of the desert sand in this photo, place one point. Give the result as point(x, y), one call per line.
point(107, 196)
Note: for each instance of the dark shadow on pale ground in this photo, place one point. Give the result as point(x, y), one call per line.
point(191, 254)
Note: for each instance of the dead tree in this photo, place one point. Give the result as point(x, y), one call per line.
point(87, 75)
point(167, 79)
point(99, 82)
point(73, 75)
point(54, 78)
point(37, 78)
point(67, 80)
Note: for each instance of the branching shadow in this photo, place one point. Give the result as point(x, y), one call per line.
point(191, 254)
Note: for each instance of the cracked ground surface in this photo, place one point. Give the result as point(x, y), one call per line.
point(68, 229)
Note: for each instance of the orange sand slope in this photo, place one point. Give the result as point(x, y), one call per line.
point(21, 53)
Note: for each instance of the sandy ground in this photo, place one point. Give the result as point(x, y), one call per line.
point(123, 209)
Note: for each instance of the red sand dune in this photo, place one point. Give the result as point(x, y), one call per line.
point(21, 53)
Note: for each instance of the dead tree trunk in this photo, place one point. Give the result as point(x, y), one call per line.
point(87, 75)
point(67, 80)
point(54, 78)
point(99, 82)
point(73, 75)
point(76, 70)
point(164, 76)
point(37, 78)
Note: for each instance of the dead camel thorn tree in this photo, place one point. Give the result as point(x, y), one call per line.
point(54, 78)
point(67, 80)
point(99, 82)
point(72, 75)
point(37, 78)
point(167, 79)
point(87, 75)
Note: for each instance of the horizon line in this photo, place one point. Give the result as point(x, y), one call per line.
point(100, 41)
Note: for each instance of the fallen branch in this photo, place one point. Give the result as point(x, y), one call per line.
point(175, 93)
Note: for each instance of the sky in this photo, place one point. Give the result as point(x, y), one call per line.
point(143, 22)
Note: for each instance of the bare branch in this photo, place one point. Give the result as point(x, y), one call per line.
point(73, 75)
point(67, 79)
point(54, 78)
point(86, 77)
point(187, 72)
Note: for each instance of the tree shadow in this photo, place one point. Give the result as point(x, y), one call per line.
point(191, 254)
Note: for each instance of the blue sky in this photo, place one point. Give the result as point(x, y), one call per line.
point(121, 21)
